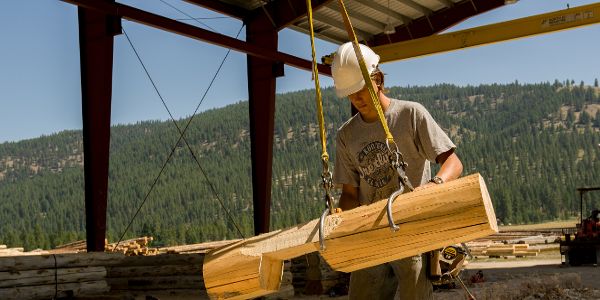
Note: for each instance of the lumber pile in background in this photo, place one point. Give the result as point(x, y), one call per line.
point(195, 248)
point(453, 212)
point(135, 246)
point(173, 273)
point(492, 250)
point(140, 246)
point(99, 274)
point(16, 251)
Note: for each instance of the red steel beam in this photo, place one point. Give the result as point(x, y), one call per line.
point(163, 23)
point(96, 31)
point(261, 92)
point(436, 22)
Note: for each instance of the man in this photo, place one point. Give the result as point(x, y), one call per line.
point(362, 166)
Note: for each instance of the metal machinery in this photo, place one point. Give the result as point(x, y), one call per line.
point(582, 244)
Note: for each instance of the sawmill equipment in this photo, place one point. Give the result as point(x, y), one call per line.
point(582, 246)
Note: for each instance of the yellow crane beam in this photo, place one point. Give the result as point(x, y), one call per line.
point(493, 33)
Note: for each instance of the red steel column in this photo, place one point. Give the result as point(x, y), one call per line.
point(96, 31)
point(261, 91)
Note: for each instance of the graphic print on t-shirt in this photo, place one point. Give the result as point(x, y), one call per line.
point(373, 164)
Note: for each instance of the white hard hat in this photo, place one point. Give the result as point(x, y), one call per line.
point(345, 69)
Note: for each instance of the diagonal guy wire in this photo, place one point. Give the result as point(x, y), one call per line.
point(181, 136)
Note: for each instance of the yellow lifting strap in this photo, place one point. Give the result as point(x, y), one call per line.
point(366, 75)
point(319, 99)
point(326, 176)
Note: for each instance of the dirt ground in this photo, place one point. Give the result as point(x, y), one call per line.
point(542, 277)
point(534, 277)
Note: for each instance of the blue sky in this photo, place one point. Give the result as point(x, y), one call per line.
point(39, 64)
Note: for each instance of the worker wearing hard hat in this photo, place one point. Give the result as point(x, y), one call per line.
point(362, 166)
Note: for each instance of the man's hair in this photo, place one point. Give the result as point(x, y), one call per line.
point(379, 78)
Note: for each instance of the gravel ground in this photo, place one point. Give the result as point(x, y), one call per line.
point(524, 278)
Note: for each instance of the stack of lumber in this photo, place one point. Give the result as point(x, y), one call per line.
point(502, 250)
point(174, 275)
point(101, 275)
point(105, 275)
point(453, 212)
point(529, 237)
point(73, 247)
point(16, 251)
point(195, 248)
point(48, 276)
point(136, 246)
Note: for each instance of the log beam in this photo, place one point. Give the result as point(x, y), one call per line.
point(454, 212)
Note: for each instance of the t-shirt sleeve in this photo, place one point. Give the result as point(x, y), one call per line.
point(430, 138)
point(344, 171)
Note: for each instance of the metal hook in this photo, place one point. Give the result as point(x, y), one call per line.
point(327, 180)
point(395, 194)
point(328, 210)
point(322, 228)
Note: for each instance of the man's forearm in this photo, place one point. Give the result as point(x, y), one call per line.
point(451, 168)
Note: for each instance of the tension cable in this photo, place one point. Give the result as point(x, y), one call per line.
point(181, 137)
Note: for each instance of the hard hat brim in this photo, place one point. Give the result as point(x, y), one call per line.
point(341, 93)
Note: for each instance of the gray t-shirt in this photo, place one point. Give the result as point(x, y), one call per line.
point(362, 157)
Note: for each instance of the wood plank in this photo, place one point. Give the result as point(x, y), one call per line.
point(156, 270)
point(49, 291)
point(454, 212)
point(199, 248)
point(50, 276)
point(71, 260)
point(155, 283)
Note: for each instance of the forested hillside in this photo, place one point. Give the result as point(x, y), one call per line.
point(534, 144)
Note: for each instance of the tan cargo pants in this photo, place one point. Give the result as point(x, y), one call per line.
point(404, 279)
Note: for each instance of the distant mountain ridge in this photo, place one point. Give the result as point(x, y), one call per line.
point(533, 143)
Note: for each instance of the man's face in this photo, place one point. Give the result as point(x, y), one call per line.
point(362, 101)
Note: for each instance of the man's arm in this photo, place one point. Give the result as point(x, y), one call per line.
point(349, 197)
point(451, 168)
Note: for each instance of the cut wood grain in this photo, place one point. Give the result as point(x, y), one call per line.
point(450, 213)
